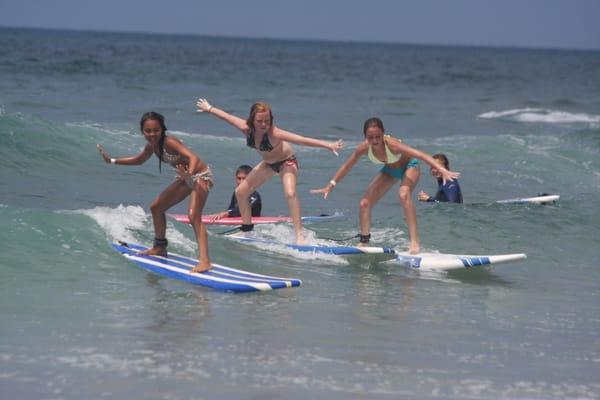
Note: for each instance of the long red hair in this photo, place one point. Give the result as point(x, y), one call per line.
point(259, 106)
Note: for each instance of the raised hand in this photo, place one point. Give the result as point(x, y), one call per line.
point(337, 146)
point(103, 153)
point(203, 105)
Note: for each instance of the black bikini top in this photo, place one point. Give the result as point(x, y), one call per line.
point(265, 144)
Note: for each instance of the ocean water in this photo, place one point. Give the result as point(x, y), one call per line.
point(79, 321)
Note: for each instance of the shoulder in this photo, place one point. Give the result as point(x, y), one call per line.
point(172, 140)
point(393, 143)
point(362, 148)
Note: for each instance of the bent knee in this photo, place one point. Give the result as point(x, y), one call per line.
point(155, 207)
point(289, 194)
point(195, 215)
point(241, 193)
point(364, 203)
point(405, 195)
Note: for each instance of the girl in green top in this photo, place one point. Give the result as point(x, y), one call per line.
point(399, 164)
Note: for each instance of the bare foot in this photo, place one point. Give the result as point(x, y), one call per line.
point(361, 244)
point(156, 251)
point(414, 248)
point(201, 267)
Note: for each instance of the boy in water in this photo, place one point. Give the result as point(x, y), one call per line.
point(233, 210)
point(448, 192)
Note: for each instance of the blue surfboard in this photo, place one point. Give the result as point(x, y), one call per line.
point(381, 253)
point(218, 277)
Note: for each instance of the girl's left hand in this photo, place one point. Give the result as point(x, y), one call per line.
point(184, 175)
point(335, 147)
point(448, 175)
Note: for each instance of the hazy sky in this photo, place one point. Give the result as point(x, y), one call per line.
point(522, 23)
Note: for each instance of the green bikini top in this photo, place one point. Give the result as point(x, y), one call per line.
point(390, 157)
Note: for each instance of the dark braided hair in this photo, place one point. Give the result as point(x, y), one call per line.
point(151, 115)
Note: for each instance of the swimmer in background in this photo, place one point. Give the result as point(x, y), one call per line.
point(233, 210)
point(448, 191)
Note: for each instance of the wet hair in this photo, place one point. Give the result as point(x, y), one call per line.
point(259, 106)
point(154, 116)
point(443, 158)
point(243, 168)
point(373, 122)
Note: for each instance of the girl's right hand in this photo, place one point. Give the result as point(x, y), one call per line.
point(423, 196)
point(203, 105)
point(324, 191)
point(103, 153)
point(336, 146)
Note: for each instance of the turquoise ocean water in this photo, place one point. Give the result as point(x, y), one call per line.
point(79, 321)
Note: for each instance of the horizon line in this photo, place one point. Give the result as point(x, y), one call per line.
point(320, 40)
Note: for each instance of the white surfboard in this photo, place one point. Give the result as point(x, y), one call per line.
point(441, 261)
point(374, 254)
point(543, 199)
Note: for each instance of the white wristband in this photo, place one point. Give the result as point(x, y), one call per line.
point(113, 160)
point(332, 182)
point(210, 107)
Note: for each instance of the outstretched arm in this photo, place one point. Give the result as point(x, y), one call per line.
point(282, 134)
point(204, 106)
point(360, 151)
point(398, 147)
point(133, 160)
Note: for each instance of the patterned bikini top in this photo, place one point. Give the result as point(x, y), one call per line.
point(265, 144)
point(173, 159)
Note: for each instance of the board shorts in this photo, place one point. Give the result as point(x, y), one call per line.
point(398, 173)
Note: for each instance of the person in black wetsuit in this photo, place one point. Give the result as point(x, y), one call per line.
point(448, 192)
point(233, 210)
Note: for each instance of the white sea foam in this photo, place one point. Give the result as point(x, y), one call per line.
point(542, 115)
point(122, 223)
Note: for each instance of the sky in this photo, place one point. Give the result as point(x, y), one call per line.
point(564, 24)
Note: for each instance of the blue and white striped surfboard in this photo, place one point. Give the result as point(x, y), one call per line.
point(441, 261)
point(381, 253)
point(218, 277)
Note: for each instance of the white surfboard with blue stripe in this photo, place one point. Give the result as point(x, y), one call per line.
point(381, 253)
point(441, 261)
point(542, 199)
point(218, 277)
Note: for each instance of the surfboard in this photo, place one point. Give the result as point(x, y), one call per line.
point(542, 199)
point(378, 253)
point(219, 277)
point(441, 261)
point(257, 220)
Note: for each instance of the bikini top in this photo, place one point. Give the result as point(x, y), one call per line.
point(390, 157)
point(265, 144)
point(172, 159)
